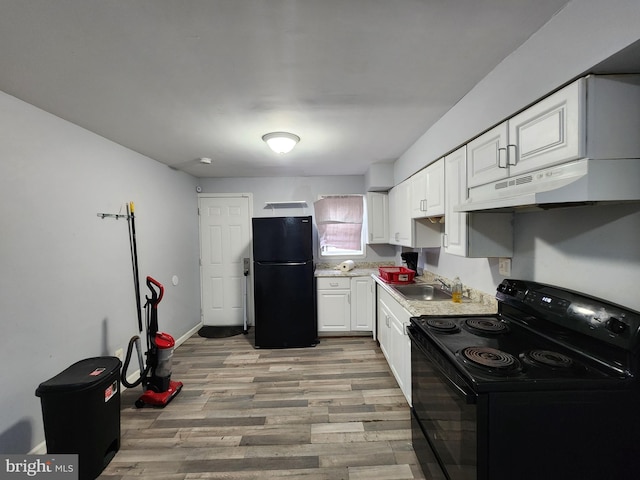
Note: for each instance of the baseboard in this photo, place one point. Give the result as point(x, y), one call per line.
point(189, 334)
point(40, 449)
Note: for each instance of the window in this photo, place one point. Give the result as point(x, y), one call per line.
point(341, 230)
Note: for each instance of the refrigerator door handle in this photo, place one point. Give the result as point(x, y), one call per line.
point(282, 263)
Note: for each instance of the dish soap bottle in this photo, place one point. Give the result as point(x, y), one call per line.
point(456, 290)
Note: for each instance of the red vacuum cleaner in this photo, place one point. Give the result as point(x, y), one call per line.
point(155, 377)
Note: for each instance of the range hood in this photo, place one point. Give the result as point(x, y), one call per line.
point(580, 182)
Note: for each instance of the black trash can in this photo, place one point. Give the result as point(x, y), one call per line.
point(81, 413)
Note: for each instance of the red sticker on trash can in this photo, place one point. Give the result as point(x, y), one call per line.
point(97, 372)
point(110, 391)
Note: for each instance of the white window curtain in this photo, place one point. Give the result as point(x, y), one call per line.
point(339, 221)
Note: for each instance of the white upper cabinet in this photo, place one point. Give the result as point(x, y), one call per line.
point(435, 189)
point(404, 229)
point(455, 224)
point(399, 214)
point(418, 193)
point(377, 217)
point(545, 134)
point(549, 132)
point(427, 191)
point(472, 234)
point(487, 157)
point(594, 117)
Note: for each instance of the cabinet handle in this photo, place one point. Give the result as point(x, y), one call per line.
point(502, 158)
point(334, 284)
point(512, 158)
point(423, 205)
point(445, 240)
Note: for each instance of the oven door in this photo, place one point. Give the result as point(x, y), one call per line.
point(444, 409)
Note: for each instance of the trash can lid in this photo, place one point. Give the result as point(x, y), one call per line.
point(81, 375)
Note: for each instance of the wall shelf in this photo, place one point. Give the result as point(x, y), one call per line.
point(286, 204)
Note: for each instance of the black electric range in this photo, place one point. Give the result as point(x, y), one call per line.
point(552, 376)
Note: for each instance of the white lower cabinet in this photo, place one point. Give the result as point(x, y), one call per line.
point(392, 321)
point(362, 304)
point(345, 304)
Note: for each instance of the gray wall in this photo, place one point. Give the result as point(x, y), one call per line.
point(283, 189)
point(576, 39)
point(66, 283)
point(590, 249)
point(65, 275)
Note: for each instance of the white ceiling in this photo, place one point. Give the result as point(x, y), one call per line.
point(358, 80)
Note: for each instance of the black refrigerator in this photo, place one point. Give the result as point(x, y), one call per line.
point(284, 283)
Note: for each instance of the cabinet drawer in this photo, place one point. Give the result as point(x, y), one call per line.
point(333, 283)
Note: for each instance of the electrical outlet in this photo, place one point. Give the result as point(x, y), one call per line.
point(504, 266)
point(120, 354)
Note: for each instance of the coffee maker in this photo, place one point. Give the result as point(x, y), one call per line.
point(411, 259)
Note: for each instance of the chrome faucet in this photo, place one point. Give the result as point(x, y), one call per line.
point(445, 285)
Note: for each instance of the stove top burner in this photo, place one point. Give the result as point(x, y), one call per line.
point(490, 360)
point(485, 326)
point(548, 358)
point(442, 325)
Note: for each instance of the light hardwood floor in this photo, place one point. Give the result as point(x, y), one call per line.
point(323, 413)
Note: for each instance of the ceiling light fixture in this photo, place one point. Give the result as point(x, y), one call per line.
point(281, 142)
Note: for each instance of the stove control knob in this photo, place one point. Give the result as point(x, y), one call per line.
point(616, 326)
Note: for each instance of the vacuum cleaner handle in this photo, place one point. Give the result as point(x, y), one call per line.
point(155, 301)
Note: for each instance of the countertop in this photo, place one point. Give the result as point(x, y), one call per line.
point(474, 303)
point(356, 272)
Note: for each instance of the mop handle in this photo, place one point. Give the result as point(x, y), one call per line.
point(134, 260)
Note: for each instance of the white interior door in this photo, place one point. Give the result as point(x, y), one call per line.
point(225, 240)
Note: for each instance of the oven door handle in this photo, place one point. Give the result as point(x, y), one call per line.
point(469, 397)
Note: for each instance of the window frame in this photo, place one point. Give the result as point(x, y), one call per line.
point(363, 234)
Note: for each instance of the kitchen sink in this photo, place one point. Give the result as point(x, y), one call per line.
point(422, 291)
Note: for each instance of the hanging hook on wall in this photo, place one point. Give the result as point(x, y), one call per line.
point(114, 215)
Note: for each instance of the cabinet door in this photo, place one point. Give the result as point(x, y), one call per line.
point(419, 194)
point(399, 214)
point(334, 310)
point(435, 189)
point(378, 217)
point(455, 224)
point(393, 217)
point(401, 355)
point(362, 304)
point(393, 339)
point(396, 365)
point(487, 157)
point(384, 324)
point(549, 132)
